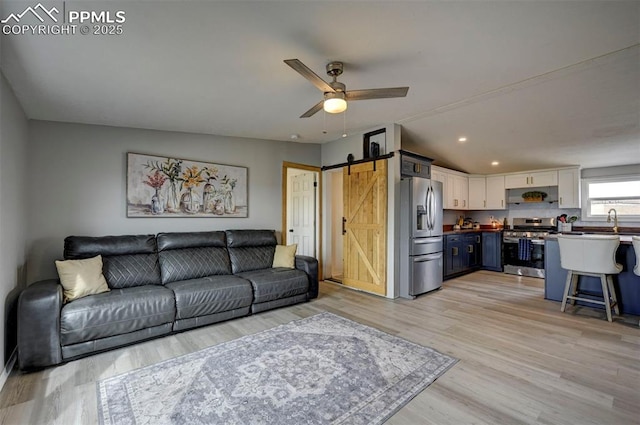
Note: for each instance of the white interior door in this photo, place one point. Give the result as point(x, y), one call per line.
point(302, 213)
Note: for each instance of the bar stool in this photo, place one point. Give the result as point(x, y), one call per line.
point(590, 255)
point(635, 240)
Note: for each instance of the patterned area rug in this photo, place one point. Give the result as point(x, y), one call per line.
point(324, 369)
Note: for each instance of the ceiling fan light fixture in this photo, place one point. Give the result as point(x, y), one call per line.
point(334, 103)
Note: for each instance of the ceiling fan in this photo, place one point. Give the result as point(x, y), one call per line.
point(335, 92)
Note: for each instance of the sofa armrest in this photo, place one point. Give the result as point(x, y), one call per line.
point(39, 307)
point(309, 265)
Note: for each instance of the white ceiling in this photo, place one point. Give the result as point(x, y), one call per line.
point(532, 84)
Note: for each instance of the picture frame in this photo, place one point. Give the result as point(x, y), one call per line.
point(160, 186)
point(374, 144)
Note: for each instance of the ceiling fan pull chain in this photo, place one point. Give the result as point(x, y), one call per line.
point(324, 122)
point(344, 124)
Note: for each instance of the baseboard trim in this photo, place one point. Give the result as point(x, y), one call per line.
point(8, 367)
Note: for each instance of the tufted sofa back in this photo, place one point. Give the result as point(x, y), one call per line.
point(191, 255)
point(126, 260)
point(251, 249)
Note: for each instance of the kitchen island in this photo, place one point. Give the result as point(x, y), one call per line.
point(627, 284)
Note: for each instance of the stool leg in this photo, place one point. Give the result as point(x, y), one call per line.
point(605, 295)
point(575, 285)
point(612, 292)
point(567, 287)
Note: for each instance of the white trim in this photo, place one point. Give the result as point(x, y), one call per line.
point(8, 367)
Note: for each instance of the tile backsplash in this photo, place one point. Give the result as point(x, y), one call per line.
point(525, 210)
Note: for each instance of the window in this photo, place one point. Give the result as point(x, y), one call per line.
point(603, 194)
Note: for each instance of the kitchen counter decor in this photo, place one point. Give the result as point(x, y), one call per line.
point(534, 196)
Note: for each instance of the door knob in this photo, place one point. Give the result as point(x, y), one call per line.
point(290, 230)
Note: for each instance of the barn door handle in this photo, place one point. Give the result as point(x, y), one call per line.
point(344, 223)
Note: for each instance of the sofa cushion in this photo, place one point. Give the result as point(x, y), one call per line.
point(251, 249)
point(285, 256)
point(80, 278)
point(117, 312)
point(272, 284)
point(192, 255)
point(127, 261)
point(209, 295)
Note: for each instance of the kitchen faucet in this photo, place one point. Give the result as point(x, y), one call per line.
point(615, 219)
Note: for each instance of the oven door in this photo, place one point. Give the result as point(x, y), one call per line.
point(516, 262)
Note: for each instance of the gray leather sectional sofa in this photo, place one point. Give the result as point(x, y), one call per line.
point(160, 284)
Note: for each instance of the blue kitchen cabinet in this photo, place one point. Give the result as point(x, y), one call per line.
point(492, 251)
point(453, 246)
point(462, 253)
point(472, 251)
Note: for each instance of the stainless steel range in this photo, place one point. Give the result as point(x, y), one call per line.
point(524, 245)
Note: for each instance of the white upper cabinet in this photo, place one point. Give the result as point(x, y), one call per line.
point(533, 179)
point(458, 187)
point(569, 188)
point(487, 193)
point(462, 192)
point(496, 193)
point(455, 188)
point(438, 175)
point(477, 193)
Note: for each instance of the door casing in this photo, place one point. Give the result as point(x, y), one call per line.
point(285, 181)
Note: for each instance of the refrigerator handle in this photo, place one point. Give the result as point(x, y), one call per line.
point(432, 208)
point(428, 257)
point(427, 211)
point(428, 205)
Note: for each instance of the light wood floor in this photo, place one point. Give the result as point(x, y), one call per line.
point(521, 360)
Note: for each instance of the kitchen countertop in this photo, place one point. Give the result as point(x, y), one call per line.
point(463, 231)
point(447, 229)
point(624, 238)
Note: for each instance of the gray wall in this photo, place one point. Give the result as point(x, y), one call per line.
point(13, 211)
point(78, 182)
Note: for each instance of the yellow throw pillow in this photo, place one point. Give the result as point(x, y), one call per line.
point(80, 278)
point(285, 256)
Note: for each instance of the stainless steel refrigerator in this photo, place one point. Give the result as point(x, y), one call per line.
point(421, 241)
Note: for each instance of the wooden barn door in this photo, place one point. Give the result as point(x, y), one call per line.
point(365, 226)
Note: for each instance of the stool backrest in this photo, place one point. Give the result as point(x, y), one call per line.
point(636, 247)
point(589, 253)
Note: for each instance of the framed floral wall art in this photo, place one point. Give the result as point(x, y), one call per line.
point(171, 187)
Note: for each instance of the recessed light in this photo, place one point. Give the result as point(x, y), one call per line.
point(462, 139)
point(494, 163)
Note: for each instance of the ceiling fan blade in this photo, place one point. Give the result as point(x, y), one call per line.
point(377, 93)
point(317, 107)
point(309, 75)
